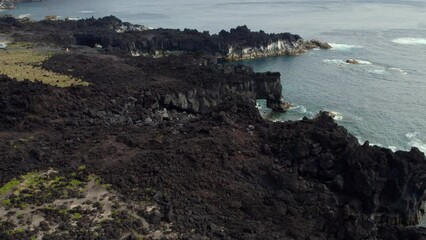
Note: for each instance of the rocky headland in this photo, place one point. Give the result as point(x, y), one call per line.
point(111, 34)
point(166, 143)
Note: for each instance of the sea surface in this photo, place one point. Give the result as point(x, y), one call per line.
point(382, 100)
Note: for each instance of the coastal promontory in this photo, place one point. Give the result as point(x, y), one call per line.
point(111, 130)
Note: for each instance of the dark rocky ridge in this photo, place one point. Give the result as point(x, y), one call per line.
point(222, 173)
point(111, 33)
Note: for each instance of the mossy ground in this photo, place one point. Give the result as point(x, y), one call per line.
point(23, 61)
point(56, 205)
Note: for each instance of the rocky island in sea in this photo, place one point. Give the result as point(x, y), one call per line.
point(110, 130)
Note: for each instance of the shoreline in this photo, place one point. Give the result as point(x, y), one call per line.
point(182, 133)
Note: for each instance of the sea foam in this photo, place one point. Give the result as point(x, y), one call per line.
point(402, 71)
point(378, 71)
point(410, 41)
point(415, 140)
point(85, 11)
point(22, 16)
point(337, 116)
point(343, 47)
point(363, 62)
point(335, 61)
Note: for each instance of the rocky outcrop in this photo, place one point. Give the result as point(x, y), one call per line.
point(352, 61)
point(375, 186)
point(244, 44)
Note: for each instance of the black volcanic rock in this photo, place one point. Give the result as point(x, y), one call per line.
point(184, 133)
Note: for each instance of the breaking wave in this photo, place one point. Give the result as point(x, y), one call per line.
point(340, 61)
point(402, 71)
point(363, 62)
point(335, 61)
point(415, 140)
point(378, 71)
point(344, 47)
point(85, 11)
point(22, 16)
point(337, 116)
point(410, 41)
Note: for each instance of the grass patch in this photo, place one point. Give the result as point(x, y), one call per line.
point(6, 202)
point(22, 61)
point(9, 186)
point(76, 216)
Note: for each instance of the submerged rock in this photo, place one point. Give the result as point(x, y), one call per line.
point(352, 61)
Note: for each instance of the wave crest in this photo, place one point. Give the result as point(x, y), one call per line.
point(344, 47)
point(410, 41)
point(415, 140)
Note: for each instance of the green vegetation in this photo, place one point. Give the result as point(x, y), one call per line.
point(76, 216)
point(23, 61)
point(6, 202)
point(9, 186)
point(36, 187)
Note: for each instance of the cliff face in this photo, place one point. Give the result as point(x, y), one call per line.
point(198, 88)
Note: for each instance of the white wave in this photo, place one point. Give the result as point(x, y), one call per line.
point(73, 19)
point(336, 115)
point(338, 118)
point(415, 140)
point(134, 53)
point(360, 140)
point(301, 109)
point(393, 148)
point(335, 61)
point(402, 71)
point(22, 16)
point(376, 144)
point(410, 41)
point(86, 11)
point(343, 47)
point(363, 62)
point(378, 71)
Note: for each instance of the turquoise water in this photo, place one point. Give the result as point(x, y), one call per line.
point(382, 100)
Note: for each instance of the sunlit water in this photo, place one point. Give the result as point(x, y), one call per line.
point(382, 100)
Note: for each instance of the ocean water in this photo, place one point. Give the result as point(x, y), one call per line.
point(382, 100)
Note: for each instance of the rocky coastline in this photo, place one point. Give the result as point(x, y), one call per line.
point(111, 34)
point(168, 144)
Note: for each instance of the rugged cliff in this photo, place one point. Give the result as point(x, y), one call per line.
point(174, 148)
